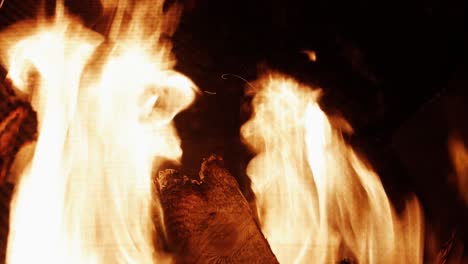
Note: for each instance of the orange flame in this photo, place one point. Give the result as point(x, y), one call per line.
point(105, 113)
point(317, 200)
point(459, 154)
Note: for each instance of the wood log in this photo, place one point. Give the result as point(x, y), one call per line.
point(208, 220)
point(6, 192)
point(18, 126)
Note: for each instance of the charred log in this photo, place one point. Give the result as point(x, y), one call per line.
point(6, 192)
point(208, 220)
point(18, 126)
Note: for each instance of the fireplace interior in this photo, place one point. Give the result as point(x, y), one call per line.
point(397, 71)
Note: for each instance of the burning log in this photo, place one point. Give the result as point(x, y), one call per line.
point(208, 219)
point(18, 126)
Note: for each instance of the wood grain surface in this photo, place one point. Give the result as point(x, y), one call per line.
point(208, 219)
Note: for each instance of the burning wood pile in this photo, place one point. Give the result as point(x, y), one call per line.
point(207, 218)
point(86, 130)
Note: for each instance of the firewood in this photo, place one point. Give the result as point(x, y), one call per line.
point(18, 126)
point(208, 220)
point(6, 192)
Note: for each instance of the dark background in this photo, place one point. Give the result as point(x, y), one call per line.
point(397, 70)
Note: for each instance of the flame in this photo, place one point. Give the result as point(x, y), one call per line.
point(459, 154)
point(105, 108)
point(317, 200)
point(311, 55)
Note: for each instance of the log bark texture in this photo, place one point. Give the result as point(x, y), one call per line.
point(208, 220)
point(18, 126)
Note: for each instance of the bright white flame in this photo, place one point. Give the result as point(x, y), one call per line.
point(317, 199)
point(105, 116)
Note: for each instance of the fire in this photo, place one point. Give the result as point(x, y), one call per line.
point(105, 107)
point(317, 200)
point(311, 55)
point(459, 154)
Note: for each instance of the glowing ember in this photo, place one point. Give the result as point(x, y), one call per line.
point(317, 200)
point(311, 55)
point(105, 115)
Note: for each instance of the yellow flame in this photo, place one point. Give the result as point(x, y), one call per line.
point(317, 200)
point(459, 154)
point(105, 112)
